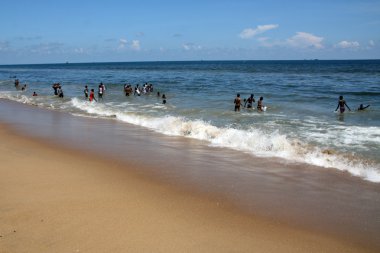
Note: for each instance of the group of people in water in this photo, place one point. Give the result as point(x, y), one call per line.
point(18, 86)
point(128, 91)
point(58, 90)
point(91, 96)
point(138, 90)
point(249, 103)
point(148, 88)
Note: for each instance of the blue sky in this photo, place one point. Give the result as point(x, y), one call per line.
point(97, 31)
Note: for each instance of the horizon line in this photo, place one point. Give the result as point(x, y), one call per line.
point(152, 61)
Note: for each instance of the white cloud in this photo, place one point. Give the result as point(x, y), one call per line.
point(186, 46)
point(371, 43)
point(125, 44)
point(80, 50)
point(347, 44)
point(250, 32)
point(191, 46)
point(135, 45)
point(122, 43)
point(305, 40)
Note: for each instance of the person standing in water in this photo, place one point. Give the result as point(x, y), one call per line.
point(60, 92)
point(17, 83)
point(260, 106)
point(55, 88)
point(341, 105)
point(249, 101)
point(85, 92)
point(92, 95)
point(100, 91)
point(104, 87)
point(237, 102)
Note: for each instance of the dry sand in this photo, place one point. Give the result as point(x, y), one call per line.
point(58, 200)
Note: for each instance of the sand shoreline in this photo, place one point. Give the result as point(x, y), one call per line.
point(58, 200)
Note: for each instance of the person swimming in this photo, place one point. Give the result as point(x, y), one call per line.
point(362, 108)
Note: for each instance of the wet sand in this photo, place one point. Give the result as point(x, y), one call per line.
point(68, 189)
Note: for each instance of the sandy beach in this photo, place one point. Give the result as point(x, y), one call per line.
point(56, 200)
point(172, 126)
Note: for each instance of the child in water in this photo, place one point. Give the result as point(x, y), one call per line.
point(237, 102)
point(92, 95)
point(341, 105)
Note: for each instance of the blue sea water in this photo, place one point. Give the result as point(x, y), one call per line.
point(299, 126)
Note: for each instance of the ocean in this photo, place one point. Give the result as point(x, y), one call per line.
point(299, 126)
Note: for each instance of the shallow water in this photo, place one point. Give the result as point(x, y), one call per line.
point(299, 126)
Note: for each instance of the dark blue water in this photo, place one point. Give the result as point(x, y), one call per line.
point(299, 125)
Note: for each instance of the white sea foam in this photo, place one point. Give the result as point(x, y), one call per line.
point(16, 96)
point(253, 141)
